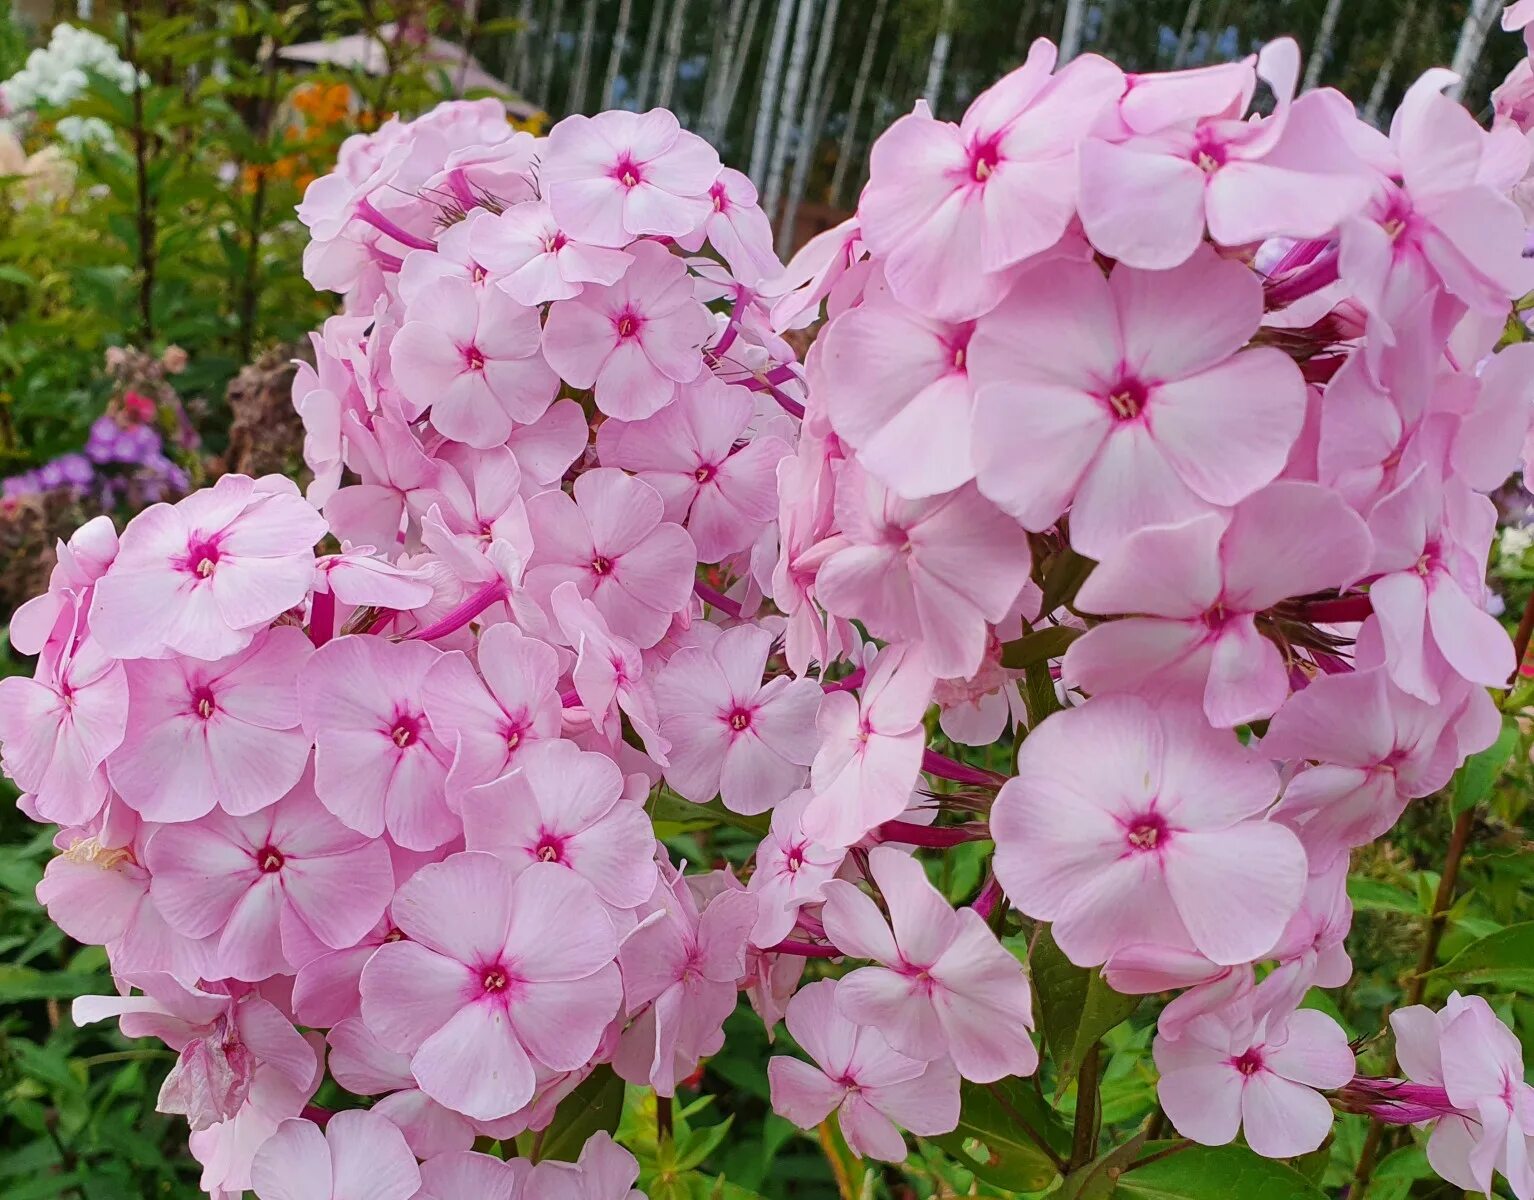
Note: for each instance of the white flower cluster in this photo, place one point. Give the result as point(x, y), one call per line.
point(56, 74)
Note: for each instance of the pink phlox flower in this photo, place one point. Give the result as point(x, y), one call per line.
point(714, 478)
point(612, 542)
point(472, 356)
point(943, 984)
point(500, 968)
point(395, 474)
point(620, 175)
point(871, 748)
point(1131, 824)
point(792, 870)
point(492, 716)
point(476, 507)
point(634, 341)
point(731, 734)
point(737, 228)
point(1374, 748)
point(1199, 588)
point(377, 762)
point(897, 389)
point(467, 1173)
point(806, 514)
point(453, 258)
point(812, 274)
point(224, 734)
point(1430, 543)
point(681, 974)
point(58, 728)
point(550, 446)
point(934, 571)
point(1258, 1069)
point(45, 620)
point(566, 806)
point(277, 887)
point(364, 1066)
point(608, 676)
point(976, 710)
point(1145, 199)
point(359, 1154)
point(1478, 1061)
point(949, 207)
point(203, 576)
point(1110, 397)
point(497, 171)
point(874, 1090)
point(536, 261)
point(360, 576)
point(770, 983)
point(1489, 436)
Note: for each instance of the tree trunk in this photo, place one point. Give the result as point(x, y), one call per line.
point(1106, 25)
point(1388, 67)
point(772, 74)
point(937, 65)
point(725, 102)
point(1025, 19)
point(848, 145)
point(1189, 32)
point(550, 35)
point(615, 54)
point(582, 77)
point(1322, 48)
point(1070, 32)
point(1472, 40)
point(788, 107)
point(646, 82)
point(722, 18)
point(521, 56)
point(817, 101)
point(673, 55)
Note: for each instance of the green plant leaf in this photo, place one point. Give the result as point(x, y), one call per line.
point(990, 1139)
point(1503, 959)
point(1075, 1006)
point(1473, 781)
point(1038, 646)
point(1214, 1173)
point(593, 1107)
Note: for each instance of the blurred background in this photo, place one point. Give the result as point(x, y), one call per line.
point(152, 304)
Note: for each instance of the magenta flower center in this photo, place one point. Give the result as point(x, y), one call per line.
point(201, 558)
point(550, 848)
point(555, 242)
point(740, 720)
point(202, 703)
point(794, 862)
point(513, 738)
point(704, 473)
point(983, 160)
point(1209, 153)
point(474, 359)
point(1146, 832)
point(269, 859)
point(1249, 1063)
point(721, 201)
point(626, 171)
point(601, 565)
point(628, 323)
point(406, 730)
point(495, 980)
point(1126, 398)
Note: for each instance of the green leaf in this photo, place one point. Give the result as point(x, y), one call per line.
point(1473, 781)
point(664, 807)
point(991, 1140)
point(1503, 959)
point(1075, 1006)
point(1374, 895)
point(1038, 646)
point(593, 1107)
point(1215, 1173)
point(23, 983)
point(1066, 572)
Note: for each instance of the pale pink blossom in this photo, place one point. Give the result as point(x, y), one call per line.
point(203, 576)
point(500, 969)
point(359, 1154)
point(608, 674)
point(634, 341)
point(1111, 397)
point(1130, 824)
point(377, 763)
point(223, 734)
point(729, 732)
point(943, 984)
point(467, 1173)
point(873, 1090)
point(791, 871)
point(84, 558)
point(620, 175)
point(737, 228)
point(277, 887)
point(364, 1066)
point(612, 542)
point(535, 261)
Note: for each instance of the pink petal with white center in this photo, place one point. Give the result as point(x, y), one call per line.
point(409, 992)
point(1236, 889)
point(1283, 1119)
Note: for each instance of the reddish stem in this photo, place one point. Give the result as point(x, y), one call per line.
point(932, 836)
point(718, 600)
point(1319, 274)
point(803, 949)
point(852, 681)
point(491, 593)
point(944, 767)
point(322, 618)
point(366, 212)
point(1343, 610)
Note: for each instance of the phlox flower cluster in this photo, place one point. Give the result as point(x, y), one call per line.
point(1177, 420)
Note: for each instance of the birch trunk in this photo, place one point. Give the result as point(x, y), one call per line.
point(582, 77)
point(1322, 48)
point(1472, 40)
point(722, 18)
point(766, 108)
point(646, 82)
point(550, 35)
point(937, 65)
point(817, 101)
point(615, 54)
point(1070, 31)
point(1189, 32)
point(1388, 68)
point(725, 102)
point(673, 55)
point(848, 146)
point(788, 108)
point(521, 57)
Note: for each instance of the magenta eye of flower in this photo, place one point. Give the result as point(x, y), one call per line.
point(201, 558)
point(740, 720)
point(794, 862)
point(549, 850)
point(1147, 832)
point(403, 734)
point(601, 565)
point(627, 172)
point(1427, 563)
point(395, 935)
point(720, 200)
point(269, 860)
point(628, 325)
point(474, 359)
point(203, 703)
point(704, 473)
point(1126, 398)
point(1216, 617)
point(554, 243)
point(1249, 1063)
point(513, 738)
point(983, 160)
point(495, 980)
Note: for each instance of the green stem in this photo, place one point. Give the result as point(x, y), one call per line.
point(1084, 1130)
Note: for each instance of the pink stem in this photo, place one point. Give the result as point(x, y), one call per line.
point(378, 221)
point(461, 190)
point(322, 618)
point(1321, 273)
point(570, 699)
point(803, 949)
point(846, 685)
point(931, 836)
point(985, 902)
point(787, 402)
point(1298, 255)
point(731, 329)
point(1342, 610)
point(944, 767)
point(491, 593)
point(716, 600)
